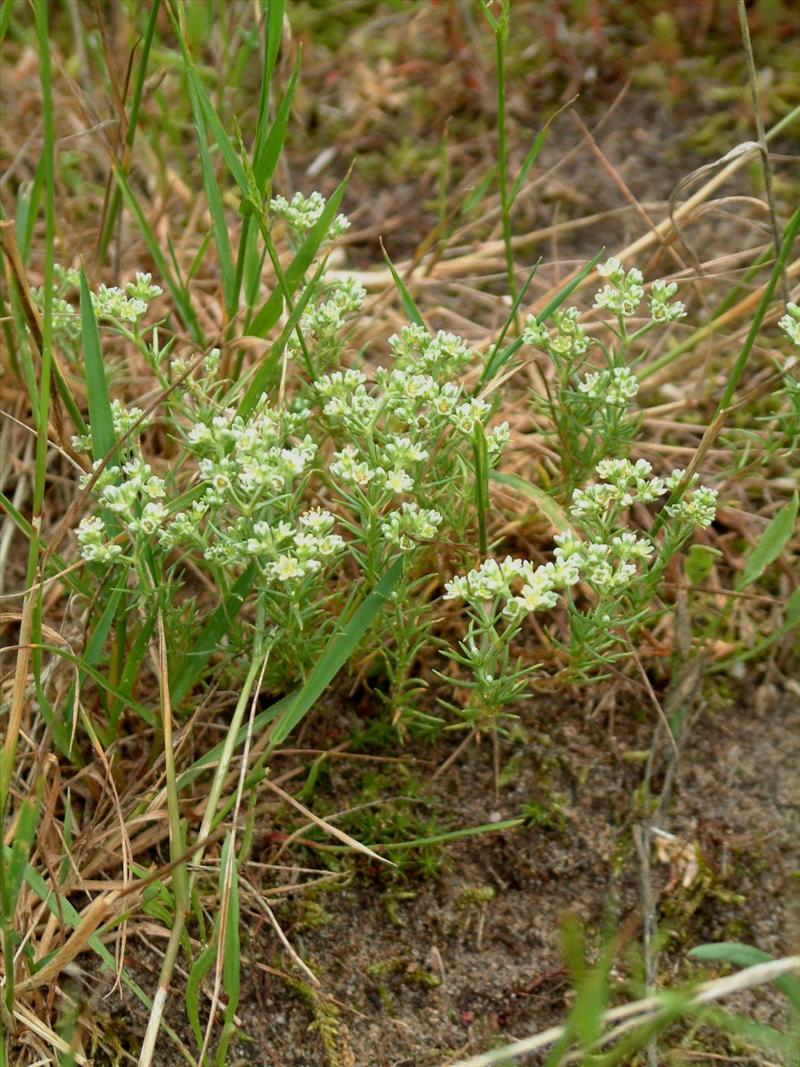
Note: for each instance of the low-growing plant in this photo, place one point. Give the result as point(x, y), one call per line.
point(271, 502)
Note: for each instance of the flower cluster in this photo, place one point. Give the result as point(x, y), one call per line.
point(443, 356)
point(624, 291)
point(130, 496)
point(616, 386)
point(697, 508)
point(94, 540)
point(128, 304)
point(292, 551)
point(524, 588)
point(790, 323)
point(661, 307)
point(623, 484)
point(566, 341)
point(321, 324)
point(410, 524)
point(609, 568)
point(123, 418)
point(303, 212)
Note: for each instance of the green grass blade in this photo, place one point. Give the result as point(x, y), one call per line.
point(411, 309)
point(194, 662)
point(133, 122)
point(530, 159)
point(498, 359)
point(503, 357)
point(141, 710)
point(340, 648)
point(789, 236)
point(231, 954)
point(200, 968)
point(100, 418)
point(480, 452)
point(451, 835)
point(295, 272)
point(223, 141)
point(267, 155)
point(740, 955)
point(480, 191)
point(541, 499)
point(208, 759)
point(214, 199)
point(266, 373)
point(179, 294)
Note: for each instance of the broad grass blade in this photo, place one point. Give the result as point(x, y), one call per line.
point(340, 648)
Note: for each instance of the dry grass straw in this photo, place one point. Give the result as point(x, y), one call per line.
point(642, 1012)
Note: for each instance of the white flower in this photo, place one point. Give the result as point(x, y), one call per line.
point(153, 514)
point(397, 481)
point(466, 415)
point(329, 544)
point(498, 438)
point(410, 524)
point(624, 292)
point(612, 268)
point(457, 589)
point(698, 508)
point(286, 568)
point(303, 212)
point(317, 520)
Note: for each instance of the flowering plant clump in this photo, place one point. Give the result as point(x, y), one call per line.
point(588, 410)
point(619, 567)
point(352, 470)
point(403, 471)
point(499, 596)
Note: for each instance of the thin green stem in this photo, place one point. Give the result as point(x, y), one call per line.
point(501, 40)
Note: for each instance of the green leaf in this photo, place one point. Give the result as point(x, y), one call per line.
point(267, 155)
point(771, 543)
point(700, 559)
point(451, 835)
point(498, 359)
point(194, 662)
point(269, 365)
point(208, 759)
point(545, 503)
point(24, 839)
point(503, 357)
point(411, 309)
point(480, 191)
point(739, 955)
point(224, 143)
point(530, 159)
point(100, 418)
point(339, 650)
point(214, 198)
point(480, 453)
point(200, 968)
point(179, 294)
